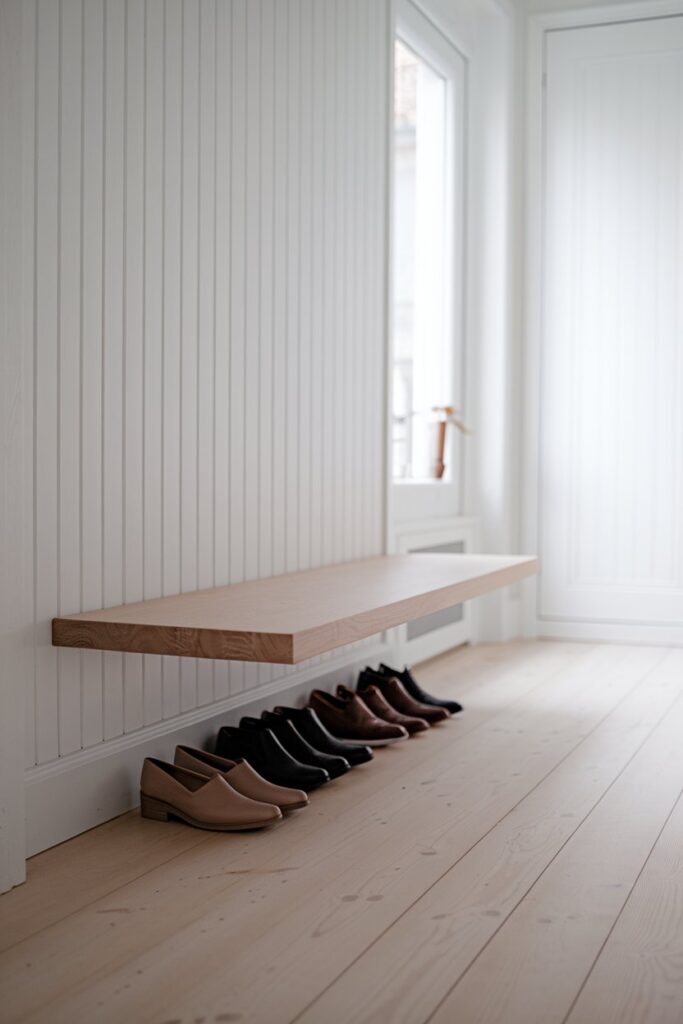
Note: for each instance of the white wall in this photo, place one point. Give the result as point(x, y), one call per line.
point(488, 33)
point(14, 588)
point(203, 326)
point(195, 346)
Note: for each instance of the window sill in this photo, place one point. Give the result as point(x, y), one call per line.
point(428, 481)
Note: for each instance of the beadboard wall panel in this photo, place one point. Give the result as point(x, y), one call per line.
point(204, 303)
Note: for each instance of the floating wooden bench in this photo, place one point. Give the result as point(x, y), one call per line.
point(286, 619)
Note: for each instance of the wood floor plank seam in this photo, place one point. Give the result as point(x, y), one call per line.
point(557, 929)
point(638, 976)
point(109, 892)
point(551, 861)
point(582, 652)
point(567, 1018)
point(495, 825)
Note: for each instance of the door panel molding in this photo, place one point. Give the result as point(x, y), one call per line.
point(664, 589)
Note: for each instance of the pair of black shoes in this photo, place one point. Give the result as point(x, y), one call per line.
point(416, 691)
point(290, 747)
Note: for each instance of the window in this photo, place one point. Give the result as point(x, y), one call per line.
point(426, 287)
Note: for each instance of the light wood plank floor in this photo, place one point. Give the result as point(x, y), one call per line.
point(521, 863)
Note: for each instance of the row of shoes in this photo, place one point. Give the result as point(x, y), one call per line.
point(265, 767)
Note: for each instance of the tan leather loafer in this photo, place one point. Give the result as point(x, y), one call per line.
point(242, 777)
point(169, 791)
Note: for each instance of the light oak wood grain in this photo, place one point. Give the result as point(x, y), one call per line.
point(413, 966)
point(638, 977)
point(381, 865)
point(567, 915)
point(381, 901)
point(394, 844)
point(287, 619)
point(74, 874)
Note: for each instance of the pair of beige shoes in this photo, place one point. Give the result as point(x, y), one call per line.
point(213, 793)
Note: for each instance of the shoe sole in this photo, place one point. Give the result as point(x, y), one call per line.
point(373, 743)
point(442, 707)
point(157, 810)
point(293, 807)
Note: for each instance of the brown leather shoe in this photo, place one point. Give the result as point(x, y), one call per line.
point(168, 791)
point(396, 694)
point(242, 777)
point(372, 696)
point(349, 719)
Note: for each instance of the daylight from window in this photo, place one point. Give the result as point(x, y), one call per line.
point(422, 349)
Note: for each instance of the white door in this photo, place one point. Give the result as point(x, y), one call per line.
point(611, 378)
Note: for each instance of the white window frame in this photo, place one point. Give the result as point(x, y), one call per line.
point(426, 499)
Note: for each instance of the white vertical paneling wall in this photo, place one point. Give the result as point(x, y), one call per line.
point(203, 298)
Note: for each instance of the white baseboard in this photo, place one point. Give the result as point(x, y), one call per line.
point(610, 632)
point(87, 788)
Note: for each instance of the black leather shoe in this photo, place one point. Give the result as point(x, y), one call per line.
point(295, 744)
point(312, 729)
point(264, 752)
point(416, 691)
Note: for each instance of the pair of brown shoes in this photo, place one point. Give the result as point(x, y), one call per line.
point(213, 793)
point(395, 693)
point(388, 711)
point(379, 713)
point(350, 719)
